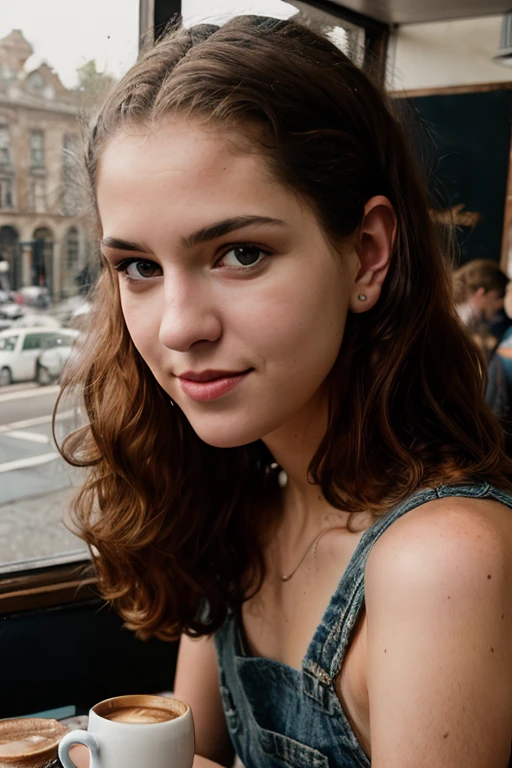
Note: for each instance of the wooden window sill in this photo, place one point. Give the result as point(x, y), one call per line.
point(46, 583)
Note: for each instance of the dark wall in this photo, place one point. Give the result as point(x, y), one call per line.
point(76, 655)
point(465, 144)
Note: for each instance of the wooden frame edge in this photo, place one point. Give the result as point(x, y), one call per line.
point(48, 587)
point(452, 90)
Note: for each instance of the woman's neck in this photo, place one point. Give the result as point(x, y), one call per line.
point(304, 509)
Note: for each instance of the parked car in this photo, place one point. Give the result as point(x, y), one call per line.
point(36, 320)
point(6, 296)
point(54, 356)
point(65, 309)
point(33, 296)
point(81, 316)
point(20, 349)
point(10, 311)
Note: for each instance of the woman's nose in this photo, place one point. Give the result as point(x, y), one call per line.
point(188, 315)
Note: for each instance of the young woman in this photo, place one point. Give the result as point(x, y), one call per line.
point(290, 462)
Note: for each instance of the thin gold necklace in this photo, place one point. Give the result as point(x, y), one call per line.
point(313, 544)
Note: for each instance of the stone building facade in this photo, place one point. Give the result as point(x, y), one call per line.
point(42, 235)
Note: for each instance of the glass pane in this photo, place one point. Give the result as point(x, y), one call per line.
point(57, 57)
point(346, 36)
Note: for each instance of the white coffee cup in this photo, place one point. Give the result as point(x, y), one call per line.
point(125, 743)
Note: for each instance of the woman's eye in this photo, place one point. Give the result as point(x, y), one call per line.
point(243, 256)
point(139, 269)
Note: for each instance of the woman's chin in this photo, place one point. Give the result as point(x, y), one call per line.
point(226, 440)
point(225, 435)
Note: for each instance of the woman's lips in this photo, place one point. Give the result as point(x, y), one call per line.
point(204, 391)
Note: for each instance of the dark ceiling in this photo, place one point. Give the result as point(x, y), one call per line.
point(415, 11)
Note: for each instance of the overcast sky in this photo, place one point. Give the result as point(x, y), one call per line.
point(68, 33)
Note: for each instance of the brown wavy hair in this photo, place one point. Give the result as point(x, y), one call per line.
point(172, 523)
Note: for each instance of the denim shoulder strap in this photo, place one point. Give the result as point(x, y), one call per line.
point(327, 650)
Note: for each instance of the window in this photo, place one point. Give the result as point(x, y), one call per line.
point(37, 149)
point(51, 340)
point(72, 194)
point(347, 35)
point(33, 341)
point(42, 563)
point(5, 149)
point(40, 150)
point(8, 343)
point(72, 248)
point(70, 158)
point(5, 72)
point(35, 81)
point(63, 340)
point(70, 150)
point(6, 193)
point(38, 192)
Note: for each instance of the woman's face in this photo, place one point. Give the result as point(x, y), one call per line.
point(225, 276)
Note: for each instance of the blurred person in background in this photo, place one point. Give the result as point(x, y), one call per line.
point(479, 291)
point(504, 349)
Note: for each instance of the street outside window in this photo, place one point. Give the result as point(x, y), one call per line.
point(57, 59)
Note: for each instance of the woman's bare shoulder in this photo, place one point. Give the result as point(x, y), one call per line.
point(438, 590)
point(444, 541)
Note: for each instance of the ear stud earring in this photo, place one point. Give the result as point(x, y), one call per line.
point(362, 297)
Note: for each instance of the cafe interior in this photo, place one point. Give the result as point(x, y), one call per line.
point(62, 649)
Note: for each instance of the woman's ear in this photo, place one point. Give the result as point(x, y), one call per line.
point(374, 248)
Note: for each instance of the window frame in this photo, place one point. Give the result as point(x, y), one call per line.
point(377, 34)
point(37, 141)
point(47, 582)
point(38, 194)
point(5, 145)
point(7, 190)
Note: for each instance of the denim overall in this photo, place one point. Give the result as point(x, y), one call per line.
point(278, 716)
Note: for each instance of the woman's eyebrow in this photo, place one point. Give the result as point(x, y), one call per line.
point(202, 235)
point(120, 245)
point(224, 227)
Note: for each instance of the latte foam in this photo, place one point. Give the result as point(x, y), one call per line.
point(140, 715)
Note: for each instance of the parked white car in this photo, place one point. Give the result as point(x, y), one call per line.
point(33, 320)
point(20, 349)
point(54, 356)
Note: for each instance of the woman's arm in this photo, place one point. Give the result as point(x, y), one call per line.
point(439, 666)
point(197, 683)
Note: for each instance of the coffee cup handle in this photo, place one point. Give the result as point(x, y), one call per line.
point(78, 737)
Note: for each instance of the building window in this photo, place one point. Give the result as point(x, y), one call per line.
point(69, 156)
point(72, 249)
point(70, 144)
point(35, 81)
point(5, 148)
point(38, 195)
point(37, 149)
point(71, 192)
point(6, 193)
